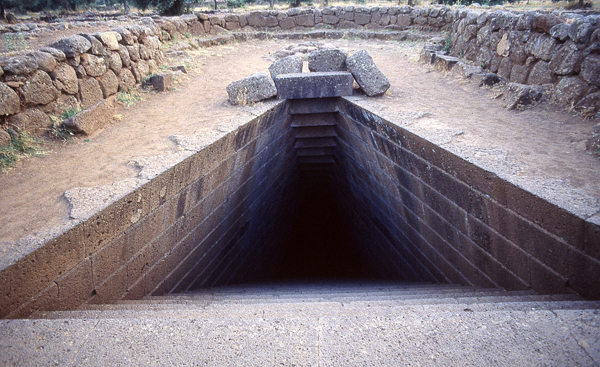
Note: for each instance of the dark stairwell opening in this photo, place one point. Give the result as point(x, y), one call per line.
point(319, 245)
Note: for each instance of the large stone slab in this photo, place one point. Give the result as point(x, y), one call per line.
point(314, 85)
point(92, 119)
point(327, 60)
point(367, 75)
point(254, 88)
point(287, 65)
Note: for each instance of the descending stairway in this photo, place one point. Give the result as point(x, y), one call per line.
point(316, 324)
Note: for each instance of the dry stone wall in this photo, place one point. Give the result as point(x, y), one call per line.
point(558, 51)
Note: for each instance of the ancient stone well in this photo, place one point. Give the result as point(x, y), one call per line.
point(312, 188)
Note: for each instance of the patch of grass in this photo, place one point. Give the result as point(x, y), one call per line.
point(69, 112)
point(128, 99)
point(187, 35)
point(21, 146)
point(15, 42)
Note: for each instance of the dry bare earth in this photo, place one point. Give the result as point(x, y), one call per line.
point(545, 142)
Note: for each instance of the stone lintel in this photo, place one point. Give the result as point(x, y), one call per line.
point(314, 85)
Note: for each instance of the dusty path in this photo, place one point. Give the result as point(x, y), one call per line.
point(545, 142)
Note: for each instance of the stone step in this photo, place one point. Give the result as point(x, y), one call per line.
point(315, 142)
point(413, 298)
point(243, 307)
point(341, 292)
point(315, 132)
point(316, 159)
point(445, 337)
point(302, 152)
point(314, 119)
point(310, 106)
point(299, 309)
point(315, 167)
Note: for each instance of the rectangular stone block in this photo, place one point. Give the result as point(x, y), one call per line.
point(314, 85)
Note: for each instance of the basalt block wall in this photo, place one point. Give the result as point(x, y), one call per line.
point(398, 206)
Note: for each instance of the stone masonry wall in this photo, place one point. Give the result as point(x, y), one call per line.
point(433, 216)
point(559, 51)
point(182, 228)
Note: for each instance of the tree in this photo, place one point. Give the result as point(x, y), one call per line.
point(165, 7)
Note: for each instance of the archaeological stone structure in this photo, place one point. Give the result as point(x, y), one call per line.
point(444, 260)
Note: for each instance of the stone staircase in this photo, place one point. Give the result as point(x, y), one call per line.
point(315, 324)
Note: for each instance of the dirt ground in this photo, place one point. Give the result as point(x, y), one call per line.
point(545, 142)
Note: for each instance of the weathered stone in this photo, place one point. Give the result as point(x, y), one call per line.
point(90, 120)
point(152, 67)
point(140, 70)
point(45, 61)
point(254, 88)
point(545, 22)
point(31, 120)
point(569, 89)
point(94, 65)
point(581, 29)
point(162, 82)
point(256, 20)
point(97, 47)
point(560, 31)
point(287, 23)
point(90, 92)
point(345, 24)
point(126, 80)
point(327, 60)
point(72, 46)
point(286, 65)
point(520, 95)
point(5, 139)
point(503, 47)
point(108, 83)
point(567, 60)
point(65, 79)
point(367, 75)
point(57, 54)
point(9, 100)
point(305, 20)
point(505, 67)
point(124, 54)
point(519, 74)
point(74, 61)
point(540, 74)
point(80, 72)
point(20, 65)
point(114, 62)
point(39, 89)
point(544, 47)
point(109, 39)
point(490, 79)
point(63, 103)
point(145, 53)
point(126, 36)
point(428, 53)
point(592, 100)
point(330, 19)
point(590, 69)
point(444, 62)
point(134, 52)
point(362, 19)
point(314, 85)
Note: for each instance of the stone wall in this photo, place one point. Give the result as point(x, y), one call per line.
point(187, 227)
point(559, 51)
point(412, 211)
